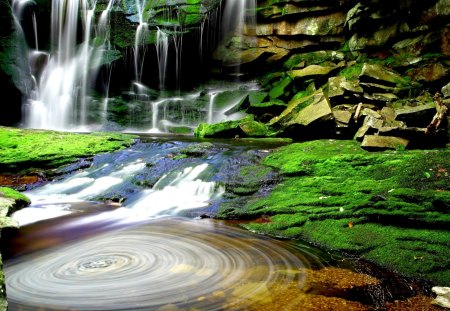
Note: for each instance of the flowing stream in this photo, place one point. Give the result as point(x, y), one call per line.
point(110, 237)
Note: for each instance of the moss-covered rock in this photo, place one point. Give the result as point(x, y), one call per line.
point(10, 201)
point(28, 149)
point(389, 207)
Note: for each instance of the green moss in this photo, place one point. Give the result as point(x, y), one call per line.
point(222, 129)
point(379, 206)
point(351, 72)
point(27, 149)
point(13, 194)
point(279, 88)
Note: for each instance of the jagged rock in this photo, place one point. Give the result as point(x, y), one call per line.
point(383, 97)
point(416, 114)
point(312, 70)
point(443, 296)
point(305, 111)
point(343, 114)
point(331, 24)
point(379, 38)
point(381, 73)
point(338, 85)
point(383, 142)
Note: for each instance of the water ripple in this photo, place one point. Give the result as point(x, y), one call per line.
point(168, 262)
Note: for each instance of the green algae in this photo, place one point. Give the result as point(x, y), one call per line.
point(28, 149)
point(379, 206)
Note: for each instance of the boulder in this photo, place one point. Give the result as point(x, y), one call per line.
point(429, 73)
point(337, 86)
point(383, 142)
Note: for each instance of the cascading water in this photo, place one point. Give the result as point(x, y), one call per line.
point(60, 100)
point(162, 50)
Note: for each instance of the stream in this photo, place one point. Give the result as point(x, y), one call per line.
point(133, 232)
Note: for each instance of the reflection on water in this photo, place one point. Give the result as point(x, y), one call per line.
point(197, 264)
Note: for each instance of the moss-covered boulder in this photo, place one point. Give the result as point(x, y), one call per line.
point(388, 207)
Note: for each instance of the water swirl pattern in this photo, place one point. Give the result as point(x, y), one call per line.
point(171, 261)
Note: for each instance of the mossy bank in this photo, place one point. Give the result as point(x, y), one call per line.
point(388, 207)
point(29, 150)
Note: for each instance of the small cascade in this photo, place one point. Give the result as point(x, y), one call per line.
point(172, 194)
point(139, 46)
point(212, 96)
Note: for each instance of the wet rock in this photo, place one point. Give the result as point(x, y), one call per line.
point(443, 296)
point(383, 142)
point(343, 114)
point(416, 113)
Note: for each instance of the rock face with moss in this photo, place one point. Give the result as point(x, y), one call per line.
point(10, 201)
point(389, 207)
point(378, 67)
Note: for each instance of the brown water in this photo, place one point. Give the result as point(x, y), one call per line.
point(86, 261)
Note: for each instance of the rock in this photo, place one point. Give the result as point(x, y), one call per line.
point(343, 114)
point(312, 70)
point(331, 24)
point(305, 111)
point(267, 110)
point(222, 129)
point(446, 90)
point(429, 73)
point(338, 85)
point(379, 38)
point(443, 296)
point(382, 74)
point(278, 89)
point(416, 114)
point(383, 142)
point(253, 129)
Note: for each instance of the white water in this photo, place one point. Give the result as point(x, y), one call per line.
point(60, 100)
point(170, 195)
point(239, 15)
point(162, 50)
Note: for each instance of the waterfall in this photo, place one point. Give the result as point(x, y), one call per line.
point(239, 16)
point(162, 50)
point(59, 100)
